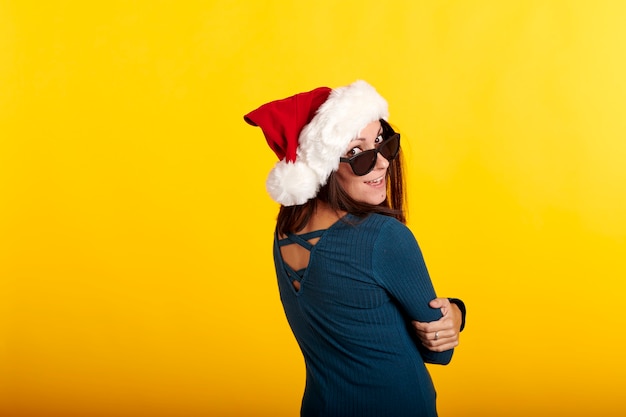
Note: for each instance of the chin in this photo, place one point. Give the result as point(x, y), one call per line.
point(375, 200)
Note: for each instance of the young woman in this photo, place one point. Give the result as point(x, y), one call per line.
point(352, 280)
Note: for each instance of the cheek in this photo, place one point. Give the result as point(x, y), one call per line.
point(352, 185)
point(345, 176)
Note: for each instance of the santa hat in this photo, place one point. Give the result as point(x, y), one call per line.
point(309, 132)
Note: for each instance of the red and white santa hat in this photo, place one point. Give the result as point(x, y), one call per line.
point(309, 132)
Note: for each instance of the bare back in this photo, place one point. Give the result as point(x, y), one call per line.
point(297, 256)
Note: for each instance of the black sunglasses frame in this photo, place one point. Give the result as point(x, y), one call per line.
point(389, 137)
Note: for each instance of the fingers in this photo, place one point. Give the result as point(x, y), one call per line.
point(424, 327)
point(440, 341)
point(436, 338)
point(444, 305)
point(444, 323)
point(439, 303)
point(443, 347)
point(443, 334)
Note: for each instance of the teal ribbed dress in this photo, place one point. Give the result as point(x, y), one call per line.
point(366, 279)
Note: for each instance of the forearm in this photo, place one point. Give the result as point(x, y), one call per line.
point(437, 358)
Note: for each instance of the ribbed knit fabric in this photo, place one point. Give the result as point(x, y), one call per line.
point(365, 281)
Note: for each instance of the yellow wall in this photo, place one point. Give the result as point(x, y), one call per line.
point(135, 232)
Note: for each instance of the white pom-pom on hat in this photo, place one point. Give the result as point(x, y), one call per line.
point(292, 183)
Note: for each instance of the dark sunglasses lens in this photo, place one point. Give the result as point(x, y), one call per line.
point(363, 162)
point(390, 148)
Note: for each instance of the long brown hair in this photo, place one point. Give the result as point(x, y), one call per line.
point(292, 219)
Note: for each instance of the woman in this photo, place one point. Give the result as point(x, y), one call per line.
point(351, 276)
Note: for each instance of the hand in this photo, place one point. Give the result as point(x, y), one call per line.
point(443, 334)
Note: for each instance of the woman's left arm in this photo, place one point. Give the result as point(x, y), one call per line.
point(443, 334)
point(400, 269)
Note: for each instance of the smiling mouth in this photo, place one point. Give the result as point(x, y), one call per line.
point(376, 181)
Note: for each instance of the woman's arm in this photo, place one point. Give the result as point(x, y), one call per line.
point(443, 334)
point(400, 269)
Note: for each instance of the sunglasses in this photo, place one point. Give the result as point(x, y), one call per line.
point(364, 162)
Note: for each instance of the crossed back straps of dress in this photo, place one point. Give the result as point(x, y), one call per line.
point(296, 257)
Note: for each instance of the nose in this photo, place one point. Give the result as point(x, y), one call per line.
point(381, 161)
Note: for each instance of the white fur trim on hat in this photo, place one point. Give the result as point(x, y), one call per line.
point(324, 140)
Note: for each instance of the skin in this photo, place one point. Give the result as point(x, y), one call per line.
point(439, 335)
point(370, 188)
point(448, 327)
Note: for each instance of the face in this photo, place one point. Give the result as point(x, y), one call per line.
point(372, 187)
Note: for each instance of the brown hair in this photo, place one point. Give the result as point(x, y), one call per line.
point(292, 219)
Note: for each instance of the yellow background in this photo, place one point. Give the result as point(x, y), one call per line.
point(135, 231)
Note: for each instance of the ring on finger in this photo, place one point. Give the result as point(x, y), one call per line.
point(436, 335)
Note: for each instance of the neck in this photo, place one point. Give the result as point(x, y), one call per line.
point(323, 217)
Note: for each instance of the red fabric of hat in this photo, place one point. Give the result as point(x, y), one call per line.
point(282, 120)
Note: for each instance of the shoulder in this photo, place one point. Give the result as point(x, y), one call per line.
point(389, 227)
point(374, 221)
point(396, 253)
point(393, 239)
point(380, 230)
